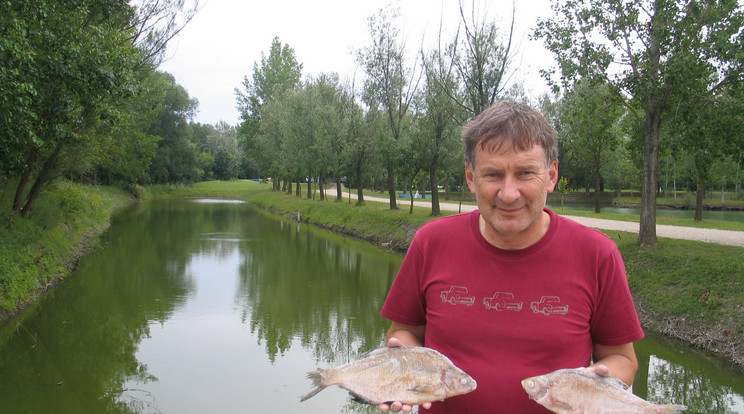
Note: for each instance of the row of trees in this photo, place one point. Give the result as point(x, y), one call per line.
point(635, 82)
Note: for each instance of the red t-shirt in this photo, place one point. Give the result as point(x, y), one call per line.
point(503, 316)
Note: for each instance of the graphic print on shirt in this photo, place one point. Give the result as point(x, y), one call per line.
point(501, 301)
point(549, 305)
point(457, 295)
point(504, 301)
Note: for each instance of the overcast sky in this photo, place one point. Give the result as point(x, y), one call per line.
point(218, 48)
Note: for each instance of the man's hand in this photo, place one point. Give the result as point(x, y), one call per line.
point(599, 369)
point(397, 406)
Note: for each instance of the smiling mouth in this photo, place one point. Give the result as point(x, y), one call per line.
point(510, 210)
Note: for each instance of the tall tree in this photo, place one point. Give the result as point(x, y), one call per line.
point(437, 125)
point(78, 63)
point(390, 83)
point(277, 73)
point(68, 70)
point(649, 50)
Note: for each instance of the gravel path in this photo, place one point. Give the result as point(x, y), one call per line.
point(727, 237)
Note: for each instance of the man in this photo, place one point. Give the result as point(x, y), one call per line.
point(512, 290)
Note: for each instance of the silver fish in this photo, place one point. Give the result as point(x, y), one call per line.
point(574, 391)
point(412, 375)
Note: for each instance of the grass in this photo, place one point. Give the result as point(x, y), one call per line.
point(39, 249)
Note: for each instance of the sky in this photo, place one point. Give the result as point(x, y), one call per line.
point(218, 48)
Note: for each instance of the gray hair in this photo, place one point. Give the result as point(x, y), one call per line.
point(511, 123)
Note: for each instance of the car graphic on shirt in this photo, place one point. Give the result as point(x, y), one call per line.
point(502, 301)
point(549, 305)
point(457, 295)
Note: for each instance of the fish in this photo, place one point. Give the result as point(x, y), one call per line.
point(412, 375)
point(579, 390)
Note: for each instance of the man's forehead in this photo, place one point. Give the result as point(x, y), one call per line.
point(504, 146)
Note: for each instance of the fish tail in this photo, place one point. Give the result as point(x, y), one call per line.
point(672, 408)
point(317, 377)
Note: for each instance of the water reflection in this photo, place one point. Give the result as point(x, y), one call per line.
point(671, 372)
point(215, 306)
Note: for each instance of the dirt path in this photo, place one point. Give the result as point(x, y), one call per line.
point(726, 237)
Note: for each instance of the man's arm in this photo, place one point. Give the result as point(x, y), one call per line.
point(620, 361)
point(408, 335)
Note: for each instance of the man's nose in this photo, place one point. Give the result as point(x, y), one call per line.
point(509, 191)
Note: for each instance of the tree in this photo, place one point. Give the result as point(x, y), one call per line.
point(649, 50)
point(176, 158)
point(390, 84)
point(277, 73)
point(155, 23)
point(75, 66)
point(709, 130)
point(481, 61)
point(438, 129)
point(222, 144)
point(589, 122)
point(68, 72)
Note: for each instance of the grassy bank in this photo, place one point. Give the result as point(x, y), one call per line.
point(689, 290)
point(43, 247)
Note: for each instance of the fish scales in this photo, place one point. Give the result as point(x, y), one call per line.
point(575, 391)
point(411, 375)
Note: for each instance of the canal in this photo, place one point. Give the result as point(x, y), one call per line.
point(214, 306)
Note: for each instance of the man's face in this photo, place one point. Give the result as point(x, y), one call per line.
point(511, 188)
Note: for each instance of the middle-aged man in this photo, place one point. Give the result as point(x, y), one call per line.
point(512, 290)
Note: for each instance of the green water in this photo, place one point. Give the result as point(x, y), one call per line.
point(216, 307)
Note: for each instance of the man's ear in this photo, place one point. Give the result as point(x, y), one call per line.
point(553, 174)
point(469, 177)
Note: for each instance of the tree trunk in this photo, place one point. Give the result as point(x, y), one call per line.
point(652, 128)
point(18, 201)
point(647, 231)
point(391, 187)
point(700, 194)
point(360, 193)
point(339, 193)
point(597, 182)
point(43, 177)
point(434, 182)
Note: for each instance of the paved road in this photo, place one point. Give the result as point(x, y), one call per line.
point(727, 237)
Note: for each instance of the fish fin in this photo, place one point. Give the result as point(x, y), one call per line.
point(379, 351)
point(425, 389)
point(317, 377)
point(672, 408)
point(360, 399)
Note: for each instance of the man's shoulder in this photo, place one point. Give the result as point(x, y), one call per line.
point(455, 221)
point(446, 228)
